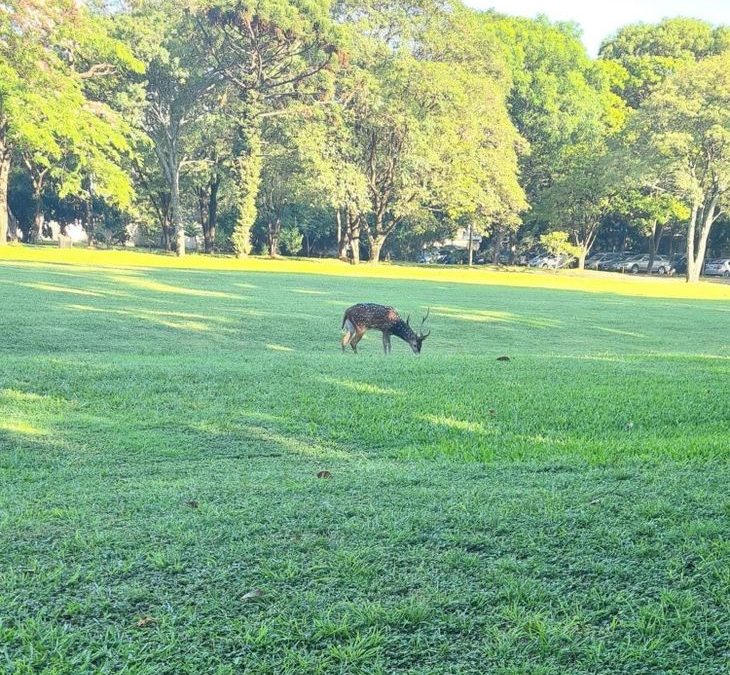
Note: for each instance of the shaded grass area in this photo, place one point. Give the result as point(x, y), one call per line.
point(161, 432)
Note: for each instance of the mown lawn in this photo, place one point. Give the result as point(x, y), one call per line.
point(161, 431)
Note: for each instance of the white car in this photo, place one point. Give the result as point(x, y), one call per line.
point(718, 268)
point(640, 263)
point(549, 262)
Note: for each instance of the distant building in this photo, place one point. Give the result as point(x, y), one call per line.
point(461, 240)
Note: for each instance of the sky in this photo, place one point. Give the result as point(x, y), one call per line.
point(600, 18)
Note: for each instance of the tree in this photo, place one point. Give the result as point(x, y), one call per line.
point(682, 133)
point(557, 243)
point(560, 100)
point(50, 56)
point(271, 54)
point(579, 200)
point(564, 106)
point(427, 124)
point(179, 89)
point(651, 53)
point(209, 170)
point(652, 209)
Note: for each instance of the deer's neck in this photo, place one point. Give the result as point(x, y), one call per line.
point(402, 330)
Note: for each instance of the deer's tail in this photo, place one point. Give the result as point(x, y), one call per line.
point(344, 321)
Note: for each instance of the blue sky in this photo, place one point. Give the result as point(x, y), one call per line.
point(600, 19)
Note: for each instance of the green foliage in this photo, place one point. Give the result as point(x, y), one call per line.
point(683, 134)
point(650, 53)
point(565, 512)
point(292, 240)
point(647, 208)
point(560, 101)
point(387, 121)
point(51, 110)
point(248, 181)
point(557, 243)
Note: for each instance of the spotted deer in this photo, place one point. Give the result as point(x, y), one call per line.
point(362, 317)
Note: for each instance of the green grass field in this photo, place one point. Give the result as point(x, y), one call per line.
point(161, 431)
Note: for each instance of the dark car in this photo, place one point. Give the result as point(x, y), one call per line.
point(680, 264)
point(453, 256)
point(604, 261)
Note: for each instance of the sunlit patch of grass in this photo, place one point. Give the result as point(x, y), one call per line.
point(147, 284)
point(451, 423)
point(154, 317)
point(616, 331)
point(363, 387)
point(21, 427)
point(54, 288)
point(485, 316)
point(278, 348)
point(593, 282)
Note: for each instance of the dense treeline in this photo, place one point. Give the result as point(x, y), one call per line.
point(355, 128)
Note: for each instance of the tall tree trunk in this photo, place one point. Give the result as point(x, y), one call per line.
point(699, 248)
point(354, 230)
point(167, 237)
point(4, 178)
point(496, 245)
point(37, 227)
point(212, 214)
point(177, 222)
point(654, 241)
point(376, 247)
point(692, 274)
point(273, 232)
point(342, 237)
point(582, 258)
point(13, 226)
point(378, 233)
point(471, 243)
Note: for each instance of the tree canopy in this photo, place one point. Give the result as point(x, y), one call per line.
point(359, 129)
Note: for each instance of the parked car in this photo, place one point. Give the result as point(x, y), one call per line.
point(592, 261)
point(720, 267)
point(615, 264)
point(428, 257)
point(606, 260)
point(679, 263)
point(640, 263)
point(547, 261)
point(453, 256)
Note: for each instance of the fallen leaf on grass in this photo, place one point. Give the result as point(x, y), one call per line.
point(253, 595)
point(492, 412)
point(146, 621)
point(503, 358)
point(193, 504)
point(324, 474)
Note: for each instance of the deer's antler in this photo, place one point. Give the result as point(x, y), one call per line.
point(423, 321)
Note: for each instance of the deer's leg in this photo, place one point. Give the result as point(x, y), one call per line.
point(346, 340)
point(355, 339)
point(349, 332)
point(386, 342)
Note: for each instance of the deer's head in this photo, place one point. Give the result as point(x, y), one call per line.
point(416, 338)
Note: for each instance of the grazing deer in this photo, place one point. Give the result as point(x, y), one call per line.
point(360, 318)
